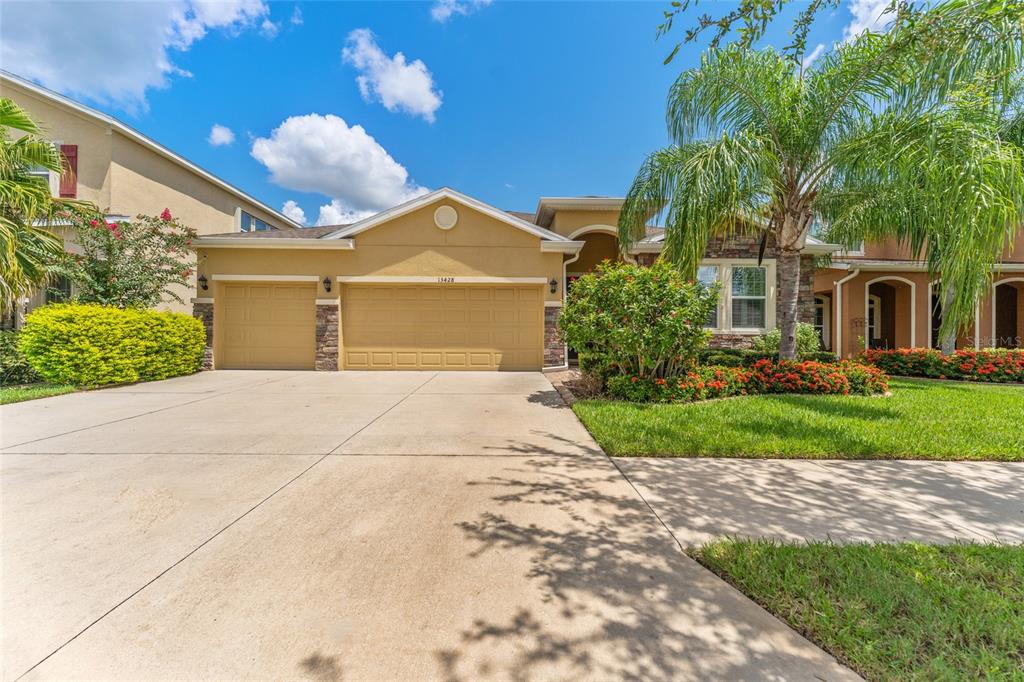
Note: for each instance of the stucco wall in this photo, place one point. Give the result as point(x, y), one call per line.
point(411, 245)
point(70, 127)
point(565, 222)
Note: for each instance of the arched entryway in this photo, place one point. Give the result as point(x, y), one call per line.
point(601, 243)
point(1008, 313)
point(890, 315)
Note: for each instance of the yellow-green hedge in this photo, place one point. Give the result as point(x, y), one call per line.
point(93, 345)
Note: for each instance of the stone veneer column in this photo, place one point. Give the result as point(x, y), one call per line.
point(327, 316)
point(554, 348)
point(202, 310)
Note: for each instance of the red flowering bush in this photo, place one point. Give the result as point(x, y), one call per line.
point(765, 376)
point(701, 383)
point(994, 365)
point(130, 263)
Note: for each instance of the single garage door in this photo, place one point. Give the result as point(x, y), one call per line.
point(443, 327)
point(268, 326)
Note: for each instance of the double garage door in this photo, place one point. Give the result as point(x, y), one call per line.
point(446, 327)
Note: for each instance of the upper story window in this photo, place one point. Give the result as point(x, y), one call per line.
point(749, 297)
point(251, 223)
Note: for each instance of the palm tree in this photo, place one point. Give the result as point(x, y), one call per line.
point(26, 249)
point(863, 141)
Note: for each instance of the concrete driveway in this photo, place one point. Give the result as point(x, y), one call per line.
point(350, 526)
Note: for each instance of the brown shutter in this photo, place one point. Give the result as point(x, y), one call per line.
point(69, 178)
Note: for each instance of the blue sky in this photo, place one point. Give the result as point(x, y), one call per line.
point(506, 101)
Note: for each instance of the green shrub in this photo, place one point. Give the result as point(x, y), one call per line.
point(92, 345)
point(644, 321)
point(14, 368)
point(807, 341)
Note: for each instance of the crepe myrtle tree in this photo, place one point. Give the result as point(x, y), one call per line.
point(127, 263)
point(865, 141)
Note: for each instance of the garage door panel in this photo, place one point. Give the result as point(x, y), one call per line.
point(268, 326)
point(442, 327)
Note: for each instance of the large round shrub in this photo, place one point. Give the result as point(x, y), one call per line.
point(638, 321)
point(92, 345)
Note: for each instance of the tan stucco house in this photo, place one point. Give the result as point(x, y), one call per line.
point(448, 282)
point(126, 173)
point(441, 282)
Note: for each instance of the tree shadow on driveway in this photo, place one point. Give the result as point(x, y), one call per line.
point(617, 596)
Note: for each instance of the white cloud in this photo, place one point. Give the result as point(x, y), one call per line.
point(296, 19)
point(315, 153)
point(112, 52)
point(443, 10)
point(867, 16)
point(294, 211)
point(813, 55)
point(338, 213)
point(398, 85)
point(220, 135)
point(269, 29)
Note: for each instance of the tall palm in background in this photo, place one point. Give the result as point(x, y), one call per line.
point(26, 248)
point(865, 141)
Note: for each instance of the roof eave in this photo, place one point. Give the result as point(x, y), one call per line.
point(286, 243)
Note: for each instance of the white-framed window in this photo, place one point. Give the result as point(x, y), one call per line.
point(874, 318)
point(823, 319)
point(250, 223)
point(749, 289)
point(746, 302)
point(707, 275)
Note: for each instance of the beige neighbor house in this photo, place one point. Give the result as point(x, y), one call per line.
point(126, 173)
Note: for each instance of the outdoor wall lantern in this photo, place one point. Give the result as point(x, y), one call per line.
point(327, 284)
point(203, 282)
point(554, 285)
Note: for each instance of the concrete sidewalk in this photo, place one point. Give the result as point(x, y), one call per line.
point(847, 501)
point(356, 526)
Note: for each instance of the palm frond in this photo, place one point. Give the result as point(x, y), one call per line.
point(700, 189)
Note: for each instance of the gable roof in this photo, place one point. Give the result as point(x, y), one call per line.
point(452, 195)
point(145, 141)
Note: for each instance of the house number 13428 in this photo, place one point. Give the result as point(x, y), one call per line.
point(446, 280)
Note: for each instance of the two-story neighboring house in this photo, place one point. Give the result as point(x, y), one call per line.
point(126, 173)
point(881, 296)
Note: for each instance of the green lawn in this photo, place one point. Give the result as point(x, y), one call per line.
point(891, 612)
point(921, 420)
point(16, 394)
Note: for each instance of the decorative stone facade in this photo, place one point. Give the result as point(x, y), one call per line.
point(748, 246)
point(554, 348)
point(203, 312)
point(327, 337)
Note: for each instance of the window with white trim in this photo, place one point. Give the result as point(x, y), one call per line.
point(749, 296)
point(745, 303)
point(250, 223)
point(707, 275)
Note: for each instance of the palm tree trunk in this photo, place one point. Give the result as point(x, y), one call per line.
point(948, 343)
point(789, 292)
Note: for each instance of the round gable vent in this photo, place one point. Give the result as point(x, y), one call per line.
point(446, 217)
